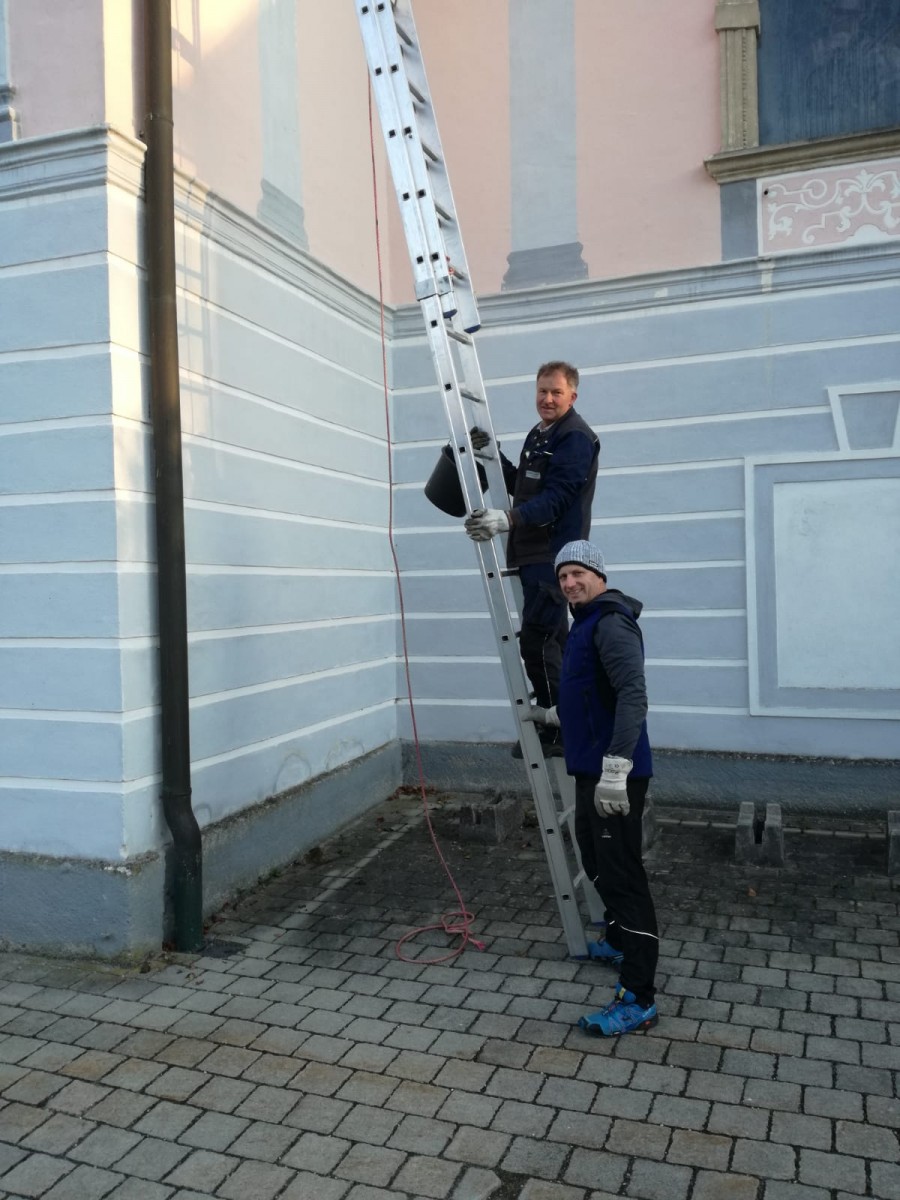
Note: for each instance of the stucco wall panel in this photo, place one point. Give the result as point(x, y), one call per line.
point(236, 538)
point(235, 659)
point(59, 676)
point(42, 385)
point(77, 821)
point(58, 305)
point(221, 598)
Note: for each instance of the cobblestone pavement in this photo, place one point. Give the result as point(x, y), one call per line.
point(301, 1058)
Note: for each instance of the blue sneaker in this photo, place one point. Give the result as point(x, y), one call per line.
point(623, 1015)
point(603, 952)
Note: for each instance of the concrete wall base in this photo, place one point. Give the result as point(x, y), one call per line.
point(88, 909)
point(685, 778)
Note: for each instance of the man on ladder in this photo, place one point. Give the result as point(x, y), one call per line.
point(552, 491)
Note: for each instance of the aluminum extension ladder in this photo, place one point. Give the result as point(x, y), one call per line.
point(444, 291)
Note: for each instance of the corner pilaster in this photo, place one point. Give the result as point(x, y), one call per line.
point(737, 23)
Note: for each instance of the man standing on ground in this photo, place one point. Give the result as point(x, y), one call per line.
point(552, 490)
point(602, 710)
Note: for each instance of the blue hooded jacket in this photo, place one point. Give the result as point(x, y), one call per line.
point(603, 693)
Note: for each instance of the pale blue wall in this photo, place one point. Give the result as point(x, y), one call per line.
point(291, 591)
point(692, 379)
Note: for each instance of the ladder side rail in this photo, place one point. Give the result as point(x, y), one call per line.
point(416, 188)
point(420, 95)
point(445, 310)
point(517, 686)
point(401, 152)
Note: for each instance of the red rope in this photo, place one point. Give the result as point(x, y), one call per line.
point(457, 921)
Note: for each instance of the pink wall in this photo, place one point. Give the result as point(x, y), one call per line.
point(648, 115)
point(215, 77)
point(56, 64)
point(647, 77)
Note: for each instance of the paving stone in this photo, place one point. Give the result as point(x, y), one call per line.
point(579, 1129)
point(474, 1183)
point(538, 1189)
point(421, 1135)
point(481, 1147)
point(427, 1177)
point(694, 1149)
point(659, 1181)
point(639, 1138)
point(35, 1175)
point(17, 1121)
point(595, 1169)
point(141, 1189)
point(766, 1159)
point(365, 1124)
point(679, 1111)
point(713, 1185)
point(622, 1102)
point(522, 1119)
point(769, 1093)
point(317, 1153)
point(611, 1072)
point(885, 1181)
point(370, 1164)
point(797, 1129)
point(803, 1071)
point(532, 1156)
point(869, 1141)
point(263, 1140)
point(152, 1159)
point(104, 1146)
point(214, 1131)
point(737, 1121)
point(834, 1103)
point(56, 1135)
point(259, 1180)
point(314, 1187)
point(704, 1085)
point(84, 1183)
point(121, 1108)
point(883, 1111)
point(317, 1114)
point(77, 1097)
point(778, 1190)
point(832, 1171)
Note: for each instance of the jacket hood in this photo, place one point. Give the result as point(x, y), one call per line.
point(610, 596)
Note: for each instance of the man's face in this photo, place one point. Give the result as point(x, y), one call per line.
point(555, 396)
point(578, 584)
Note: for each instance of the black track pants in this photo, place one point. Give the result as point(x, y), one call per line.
point(545, 624)
point(611, 856)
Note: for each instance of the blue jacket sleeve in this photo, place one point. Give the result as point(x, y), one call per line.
point(566, 475)
point(509, 474)
point(618, 646)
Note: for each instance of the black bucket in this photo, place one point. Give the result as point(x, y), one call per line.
point(443, 488)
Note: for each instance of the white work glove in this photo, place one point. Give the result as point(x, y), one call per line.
point(479, 437)
point(486, 523)
point(542, 716)
point(610, 797)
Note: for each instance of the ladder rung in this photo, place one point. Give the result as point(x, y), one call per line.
point(471, 396)
point(458, 336)
point(403, 32)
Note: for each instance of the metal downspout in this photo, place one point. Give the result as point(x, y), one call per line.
point(165, 404)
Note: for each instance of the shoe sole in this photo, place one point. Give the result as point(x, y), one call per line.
point(596, 1031)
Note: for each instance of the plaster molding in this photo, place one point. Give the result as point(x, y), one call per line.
point(843, 266)
point(733, 165)
point(829, 206)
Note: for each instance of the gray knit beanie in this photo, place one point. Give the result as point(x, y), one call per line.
point(586, 554)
